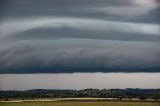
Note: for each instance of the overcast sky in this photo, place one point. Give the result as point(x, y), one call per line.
point(83, 35)
point(79, 81)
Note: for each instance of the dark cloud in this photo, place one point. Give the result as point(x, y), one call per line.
point(79, 56)
point(102, 9)
point(52, 7)
point(79, 35)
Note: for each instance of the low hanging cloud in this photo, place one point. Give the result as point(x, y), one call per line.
point(79, 35)
point(80, 54)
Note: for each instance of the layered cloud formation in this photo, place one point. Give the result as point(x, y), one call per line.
point(102, 28)
point(75, 36)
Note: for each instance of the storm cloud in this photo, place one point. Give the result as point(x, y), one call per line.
point(96, 28)
point(79, 35)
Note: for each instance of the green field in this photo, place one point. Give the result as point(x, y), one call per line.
point(78, 103)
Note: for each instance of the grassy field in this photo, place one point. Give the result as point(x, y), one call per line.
point(78, 103)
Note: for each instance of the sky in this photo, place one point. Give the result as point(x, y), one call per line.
point(79, 81)
point(61, 36)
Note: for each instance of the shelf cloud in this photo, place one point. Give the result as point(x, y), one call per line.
point(79, 35)
point(82, 54)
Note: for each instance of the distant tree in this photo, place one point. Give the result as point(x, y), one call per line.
point(156, 97)
point(142, 94)
point(142, 97)
point(6, 99)
point(120, 98)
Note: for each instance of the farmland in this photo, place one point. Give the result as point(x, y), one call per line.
point(87, 97)
point(78, 103)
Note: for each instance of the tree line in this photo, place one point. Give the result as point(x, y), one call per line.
point(104, 93)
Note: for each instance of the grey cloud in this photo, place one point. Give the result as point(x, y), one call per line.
point(137, 7)
point(50, 7)
point(79, 34)
point(86, 28)
point(46, 34)
point(81, 53)
point(121, 10)
point(152, 17)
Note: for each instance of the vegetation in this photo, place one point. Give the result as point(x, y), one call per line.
point(119, 94)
